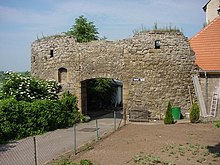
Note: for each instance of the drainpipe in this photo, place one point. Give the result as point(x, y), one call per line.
point(206, 90)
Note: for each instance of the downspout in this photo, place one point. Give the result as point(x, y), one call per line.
point(206, 90)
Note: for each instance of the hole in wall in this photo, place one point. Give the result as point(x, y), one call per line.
point(157, 44)
point(51, 53)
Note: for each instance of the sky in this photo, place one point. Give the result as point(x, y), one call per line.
point(23, 21)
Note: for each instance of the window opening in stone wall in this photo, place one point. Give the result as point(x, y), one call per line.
point(33, 58)
point(157, 44)
point(62, 75)
point(51, 53)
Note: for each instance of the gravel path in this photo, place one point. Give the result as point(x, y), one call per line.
point(55, 143)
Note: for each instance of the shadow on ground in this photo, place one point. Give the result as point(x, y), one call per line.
point(214, 149)
point(6, 147)
point(105, 113)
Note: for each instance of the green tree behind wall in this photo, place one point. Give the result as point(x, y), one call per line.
point(83, 30)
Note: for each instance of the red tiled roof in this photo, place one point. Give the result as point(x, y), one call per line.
point(206, 45)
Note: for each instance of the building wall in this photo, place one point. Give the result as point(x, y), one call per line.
point(211, 10)
point(151, 77)
point(210, 84)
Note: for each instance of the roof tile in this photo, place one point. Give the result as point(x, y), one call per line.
point(206, 45)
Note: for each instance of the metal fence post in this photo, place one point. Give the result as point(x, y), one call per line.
point(74, 139)
point(97, 130)
point(35, 151)
point(124, 116)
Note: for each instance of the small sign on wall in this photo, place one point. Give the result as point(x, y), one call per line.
point(138, 79)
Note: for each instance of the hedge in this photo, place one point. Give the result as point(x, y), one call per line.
point(19, 119)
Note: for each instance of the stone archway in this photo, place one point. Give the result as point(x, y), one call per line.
point(81, 93)
point(151, 75)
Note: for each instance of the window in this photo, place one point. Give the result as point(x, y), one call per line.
point(33, 58)
point(62, 75)
point(157, 44)
point(51, 53)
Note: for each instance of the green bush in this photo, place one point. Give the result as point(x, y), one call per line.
point(70, 113)
point(30, 106)
point(85, 162)
point(26, 88)
point(65, 161)
point(168, 116)
point(19, 119)
point(9, 117)
point(194, 113)
point(217, 124)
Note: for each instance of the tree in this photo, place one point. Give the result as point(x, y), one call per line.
point(168, 116)
point(83, 30)
point(194, 113)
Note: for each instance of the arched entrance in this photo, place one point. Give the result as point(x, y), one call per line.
point(100, 96)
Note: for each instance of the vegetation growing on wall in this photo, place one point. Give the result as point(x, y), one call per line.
point(167, 28)
point(83, 30)
point(29, 106)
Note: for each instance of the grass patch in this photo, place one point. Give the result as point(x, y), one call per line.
point(65, 161)
point(217, 124)
point(150, 159)
point(193, 153)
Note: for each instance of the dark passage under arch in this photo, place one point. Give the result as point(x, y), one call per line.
point(101, 96)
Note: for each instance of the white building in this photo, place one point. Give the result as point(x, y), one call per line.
point(212, 9)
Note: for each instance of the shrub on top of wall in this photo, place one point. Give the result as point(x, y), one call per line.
point(168, 116)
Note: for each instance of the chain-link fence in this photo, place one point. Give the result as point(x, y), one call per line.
point(43, 148)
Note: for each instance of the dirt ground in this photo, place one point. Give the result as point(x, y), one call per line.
point(180, 144)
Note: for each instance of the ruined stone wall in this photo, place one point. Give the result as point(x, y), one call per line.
point(151, 77)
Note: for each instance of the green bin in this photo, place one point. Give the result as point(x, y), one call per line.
point(176, 113)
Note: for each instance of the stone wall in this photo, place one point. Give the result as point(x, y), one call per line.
point(151, 76)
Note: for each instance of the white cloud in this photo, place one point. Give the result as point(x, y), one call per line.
point(115, 18)
point(105, 12)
